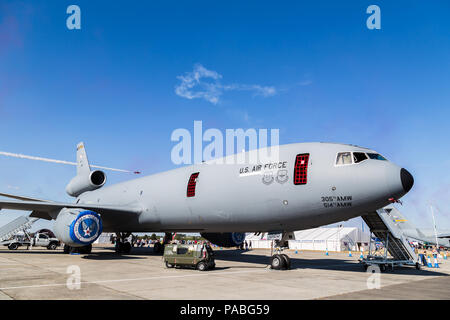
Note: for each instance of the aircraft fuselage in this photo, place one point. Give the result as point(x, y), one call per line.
point(259, 197)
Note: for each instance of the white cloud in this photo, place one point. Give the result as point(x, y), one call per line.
point(206, 84)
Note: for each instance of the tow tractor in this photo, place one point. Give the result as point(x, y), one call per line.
point(198, 256)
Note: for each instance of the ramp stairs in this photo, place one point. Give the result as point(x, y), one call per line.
point(19, 224)
point(383, 226)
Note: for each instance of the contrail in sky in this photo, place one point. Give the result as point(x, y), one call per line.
point(22, 156)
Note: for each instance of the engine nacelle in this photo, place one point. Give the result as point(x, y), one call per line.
point(82, 183)
point(227, 240)
point(78, 227)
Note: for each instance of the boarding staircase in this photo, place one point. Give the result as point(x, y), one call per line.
point(383, 226)
point(21, 224)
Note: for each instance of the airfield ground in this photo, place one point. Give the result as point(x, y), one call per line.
point(43, 274)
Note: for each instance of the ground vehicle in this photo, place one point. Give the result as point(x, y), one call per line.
point(199, 256)
point(39, 240)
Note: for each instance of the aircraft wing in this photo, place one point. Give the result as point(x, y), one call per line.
point(40, 207)
point(444, 235)
point(13, 196)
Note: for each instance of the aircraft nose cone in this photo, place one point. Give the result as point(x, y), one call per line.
point(407, 179)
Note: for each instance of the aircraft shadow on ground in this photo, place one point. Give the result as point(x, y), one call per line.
point(110, 256)
point(22, 251)
point(320, 264)
point(237, 255)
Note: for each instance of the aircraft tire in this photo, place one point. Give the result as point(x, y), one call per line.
point(66, 249)
point(86, 249)
point(73, 250)
point(158, 248)
point(277, 262)
point(287, 261)
point(126, 247)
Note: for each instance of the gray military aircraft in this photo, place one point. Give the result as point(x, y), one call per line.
point(309, 185)
point(414, 233)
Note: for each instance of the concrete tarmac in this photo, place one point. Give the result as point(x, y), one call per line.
point(44, 274)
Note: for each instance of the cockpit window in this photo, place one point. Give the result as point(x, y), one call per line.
point(359, 156)
point(344, 158)
point(376, 156)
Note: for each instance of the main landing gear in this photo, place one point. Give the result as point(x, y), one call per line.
point(122, 244)
point(279, 260)
point(81, 250)
point(158, 247)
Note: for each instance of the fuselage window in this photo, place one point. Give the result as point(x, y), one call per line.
point(191, 184)
point(301, 169)
point(359, 156)
point(376, 156)
point(344, 158)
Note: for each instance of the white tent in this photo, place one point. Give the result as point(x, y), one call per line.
point(331, 239)
point(321, 239)
point(105, 237)
point(258, 241)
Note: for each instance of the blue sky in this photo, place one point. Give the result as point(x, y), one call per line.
point(312, 69)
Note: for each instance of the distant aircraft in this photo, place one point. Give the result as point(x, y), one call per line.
point(310, 185)
point(422, 235)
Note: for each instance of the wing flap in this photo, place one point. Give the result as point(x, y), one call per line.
point(41, 215)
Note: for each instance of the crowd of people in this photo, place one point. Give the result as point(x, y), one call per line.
point(145, 242)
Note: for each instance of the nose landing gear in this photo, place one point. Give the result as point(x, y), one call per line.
point(279, 260)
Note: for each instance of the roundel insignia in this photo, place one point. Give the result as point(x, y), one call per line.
point(238, 237)
point(86, 227)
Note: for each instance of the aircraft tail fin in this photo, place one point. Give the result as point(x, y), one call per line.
point(402, 222)
point(83, 167)
point(411, 231)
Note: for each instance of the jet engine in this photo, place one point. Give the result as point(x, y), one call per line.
point(78, 227)
point(227, 240)
point(89, 182)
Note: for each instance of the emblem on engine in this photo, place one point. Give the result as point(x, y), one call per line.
point(238, 238)
point(86, 228)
